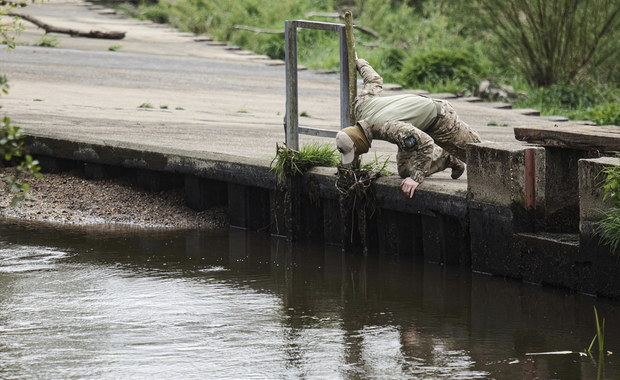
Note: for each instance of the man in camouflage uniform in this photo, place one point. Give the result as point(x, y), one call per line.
point(428, 132)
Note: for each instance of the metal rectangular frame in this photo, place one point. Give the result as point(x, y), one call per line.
point(291, 121)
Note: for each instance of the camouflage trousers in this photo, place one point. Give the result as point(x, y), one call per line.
point(449, 135)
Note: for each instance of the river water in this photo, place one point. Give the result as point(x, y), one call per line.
point(111, 304)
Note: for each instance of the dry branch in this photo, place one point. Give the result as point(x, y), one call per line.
point(257, 30)
point(72, 32)
point(279, 31)
point(341, 16)
point(15, 4)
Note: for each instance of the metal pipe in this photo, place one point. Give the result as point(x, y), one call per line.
point(530, 178)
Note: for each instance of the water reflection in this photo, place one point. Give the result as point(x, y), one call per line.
point(87, 303)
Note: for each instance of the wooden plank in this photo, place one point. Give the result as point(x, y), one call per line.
point(582, 137)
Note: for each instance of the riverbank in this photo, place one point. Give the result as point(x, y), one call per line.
point(68, 199)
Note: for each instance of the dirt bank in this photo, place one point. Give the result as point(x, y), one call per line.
point(67, 199)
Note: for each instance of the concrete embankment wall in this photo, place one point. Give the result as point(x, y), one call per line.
point(502, 223)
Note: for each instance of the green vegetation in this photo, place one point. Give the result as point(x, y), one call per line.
point(12, 151)
point(378, 165)
point(562, 54)
point(47, 41)
point(496, 124)
point(146, 105)
point(163, 107)
point(115, 47)
point(11, 139)
point(289, 162)
point(609, 227)
point(600, 335)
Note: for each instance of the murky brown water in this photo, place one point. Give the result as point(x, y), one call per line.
point(236, 305)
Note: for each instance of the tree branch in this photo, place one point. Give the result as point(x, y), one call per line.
point(72, 32)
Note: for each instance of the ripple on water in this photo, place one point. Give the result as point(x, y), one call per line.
point(25, 258)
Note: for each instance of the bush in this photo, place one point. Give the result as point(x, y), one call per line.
point(559, 41)
point(559, 97)
point(438, 68)
point(602, 114)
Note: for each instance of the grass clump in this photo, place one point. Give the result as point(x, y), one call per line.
point(608, 228)
point(47, 41)
point(115, 47)
point(146, 105)
point(602, 114)
point(289, 162)
point(377, 165)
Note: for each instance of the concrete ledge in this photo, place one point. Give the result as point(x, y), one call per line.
point(433, 196)
point(215, 166)
point(496, 173)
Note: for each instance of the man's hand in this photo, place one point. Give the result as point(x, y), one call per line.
point(408, 186)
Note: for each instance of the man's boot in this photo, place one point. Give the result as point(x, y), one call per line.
point(457, 166)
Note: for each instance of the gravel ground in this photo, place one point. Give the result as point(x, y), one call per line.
point(67, 199)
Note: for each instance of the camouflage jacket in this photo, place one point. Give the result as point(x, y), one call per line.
point(415, 147)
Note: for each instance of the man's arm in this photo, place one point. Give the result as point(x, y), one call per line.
point(373, 83)
point(415, 152)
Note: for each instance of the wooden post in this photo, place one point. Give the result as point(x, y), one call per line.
point(291, 119)
point(351, 55)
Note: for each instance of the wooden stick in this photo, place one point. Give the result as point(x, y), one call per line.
point(257, 30)
point(72, 32)
point(352, 56)
point(362, 29)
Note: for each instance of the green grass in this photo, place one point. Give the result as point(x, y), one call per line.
point(378, 164)
point(47, 41)
point(289, 162)
point(163, 107)
point(599, 336)
point(115, 47)
point(608, 228)
point(146, 105)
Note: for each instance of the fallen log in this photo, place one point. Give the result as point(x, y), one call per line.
point(72, 32)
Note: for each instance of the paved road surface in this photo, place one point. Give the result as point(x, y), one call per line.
point(206, 97)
